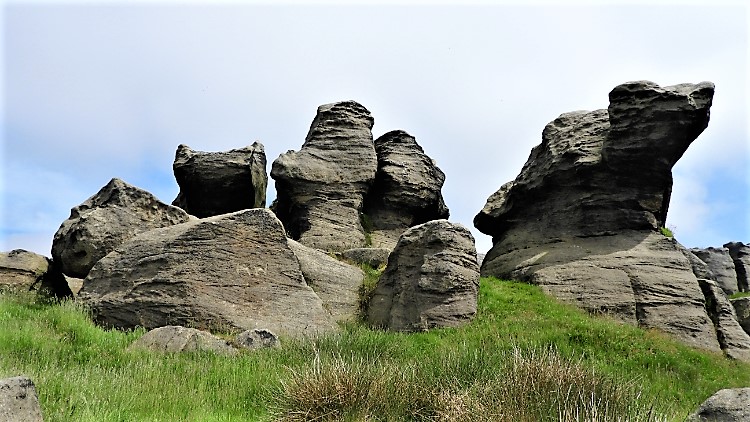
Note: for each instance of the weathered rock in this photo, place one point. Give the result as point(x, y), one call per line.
point(113, 215)
point(721, 266)
point(406, 191)
point(582, 217)
point(232, 272)
point(336, 283)
point(19, 401)
point(728, 405)
point(700, 268)
point(374, 257)
point(257, 339)
point(177, 339)
point(24, 270)
point(734, 341)
point(431, 280)
point(321, 188)
point(742, 310)
point(215, 183)
point(740, 254)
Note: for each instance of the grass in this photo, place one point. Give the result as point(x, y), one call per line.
point(666, 232)
point(739, 295)
point(524, 358)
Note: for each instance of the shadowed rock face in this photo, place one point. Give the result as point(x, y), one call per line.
point(214, 183)
point(321, 188)
point(740, 254)
point(581, 218)
point(720, 266)
point(24, 270)
point(116, 213)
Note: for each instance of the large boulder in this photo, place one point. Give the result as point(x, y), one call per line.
point(116, 213)
point(740, 254)
point(177, 339)
point(582, 217)
point(19, 401)
point(336, 283)
point(406, 191)
point(24, 270)
point(733, 339)
point(431, 280)
point(728, 405)
point(321, 188)
point(721, 266)
point(214, 183)
point(232, 272)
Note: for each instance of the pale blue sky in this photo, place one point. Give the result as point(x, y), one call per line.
point(94, 91)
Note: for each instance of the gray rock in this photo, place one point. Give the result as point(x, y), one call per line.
point(721, 266)
point(257, 339)
point(742, 310)
point(215, 183)
point(321, 188)
point(177, 339)
point(374, 257)
point(19, 401)
point(406, 191)
point(740, 254)
point(336, 283)
point(728, 405)
point(734, 341)
point(582, 217)
point(232, 272)
point(700, 268)
point(116, 213)
point(24, 270)
point(431, 280)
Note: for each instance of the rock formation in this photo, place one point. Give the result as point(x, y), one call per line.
point(582, 217)
point(734, 341)
point(113, 215)
point(431, 280)
point(721, 266)
point(406, 191)
point(177, 339)
point(740, 254)
point(374, 257)
point(742, 311)
point(321, 188)
point(728, 405)
point(214, 183)
point(257, 339)
point(231, 272)
point(19, 401)
point(24, 270)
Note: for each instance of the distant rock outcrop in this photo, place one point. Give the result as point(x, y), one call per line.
point(231, 272)
point(24, 270)
point(728, 405)
point(582, 217)
point(721, 266)
point(214, 183)
point(19, 401)
point(740, 254)
point(431, 280)
point(406, 191)
point(321, 188)
point(116, 213)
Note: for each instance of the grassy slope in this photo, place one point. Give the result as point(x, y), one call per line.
point(86, 374)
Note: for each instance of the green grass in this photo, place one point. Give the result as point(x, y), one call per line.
point(739, 295)
point(525, 357)
point(666, 232)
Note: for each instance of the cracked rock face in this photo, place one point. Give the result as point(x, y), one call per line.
point(321, 188)
point(582, 217)
point(116, 213)
point(232, 272)
point(740, 254)
point(215, 183)
point(720, 266)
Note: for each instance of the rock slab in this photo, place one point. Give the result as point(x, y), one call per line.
point(740, 254)
point(24, 270)
point(721, 267)
point(431, 280)
point(728, 405)
point(116, 213)
point(215, 183)
point(19, 401)
point(232, 272)
point(177, 339)
point(733, 339)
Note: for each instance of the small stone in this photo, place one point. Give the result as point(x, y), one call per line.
point(257, 339)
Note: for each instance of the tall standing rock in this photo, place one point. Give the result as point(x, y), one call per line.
point(321, 188)
point(740, 254)
point(230, 272)
point(581, 218)
point(214, 183)
point(721, 266)
point(113, 215)
point(431, 280)
point(406, 191)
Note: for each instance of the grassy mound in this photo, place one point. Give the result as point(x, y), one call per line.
point(524, 358)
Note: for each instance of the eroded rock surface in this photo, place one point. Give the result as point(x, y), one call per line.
point(321, 188)
point(431, 280)
point(742, 311)
point(118, 212)
point(721, 266)
point(214, 183)
point(734, 341)
point(740, 254)
point(582, 217)
point(374, 257)
point(19, 401)
point(24, 270)
point(728, 405)
point(231, 272)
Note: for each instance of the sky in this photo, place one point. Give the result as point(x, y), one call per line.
point(96, 90)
